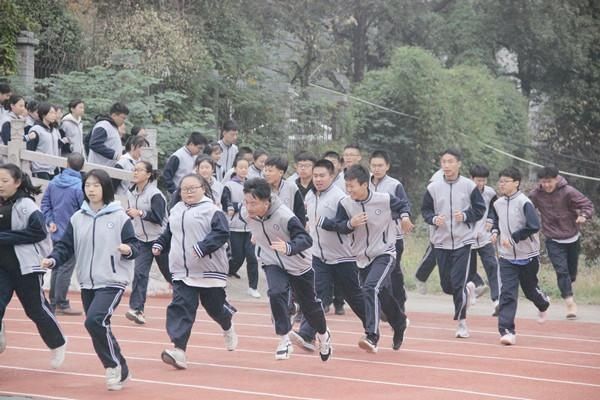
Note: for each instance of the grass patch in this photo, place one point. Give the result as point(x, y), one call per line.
point(587, 287)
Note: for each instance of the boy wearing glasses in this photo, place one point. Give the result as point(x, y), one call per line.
point(516, 225)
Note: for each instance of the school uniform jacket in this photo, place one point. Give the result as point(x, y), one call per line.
point(482, 235)
point(254, 172)
point(290, 196)
point(232, 200)
point(444, 197)
point(227, 158)
point(94, 237)
point(329, 247)
point(73, 129)
point(196, 235)
point(105, 143)
point(394, 187)
point(28, 235)
point(153, 205)
point(5, 125)
point(517, 221)
point(280, 223)
point(180, 164)
point(48, 143)
point(378, 235)
point(126, 163)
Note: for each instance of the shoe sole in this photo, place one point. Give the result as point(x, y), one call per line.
point(462, 336)
point(367, 347)
point(132, 318)
point(571, 317)
point(168, 359)
point(325, 357)
point(299, 341)
point(507, 342)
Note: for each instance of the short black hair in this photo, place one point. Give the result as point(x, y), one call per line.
point(230, 125)
point(32, 105)
point(74, 103)
point(204, 158)
point(108, 192)
point(212, 147)
point(119, 108)
point(245, 150)
point(352, 146)
point(12, 100)
point(135, 130)
point(196, 138)
point(259, 152)
point(281, 163)
point(547, 172)
point(258, 188)
point(453, 152)
point(323, 163)
point(332, 154)
point(305, 156)
point(44, 109)
point(357, 172)
point(135, 142)
point(511, 172)
point(239, 157)
point(75, 161)
point(381, 154)
point(479, 171)
point(5, 88)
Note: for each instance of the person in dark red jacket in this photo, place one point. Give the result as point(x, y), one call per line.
point(563, 209)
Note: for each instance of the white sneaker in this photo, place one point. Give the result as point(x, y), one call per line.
point(284, 349)
point(462, 331)
point(2, 338)
point(174, 357)
point(471, 296)
point(254, 293)
point(325, 348)
point(509, 339)
point(542, 315)
point(113, 378)
point(231, 339)
point(481, 290)
point(421, 287)
point(136, 316)
point(302, 342)
point(58, 356)
point(496, 310)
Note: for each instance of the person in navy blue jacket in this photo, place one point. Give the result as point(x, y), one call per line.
point(102, 238)
point(61, 200)
point(23, 238)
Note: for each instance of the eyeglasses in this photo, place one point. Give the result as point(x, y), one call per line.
point(190, 189)
point(503, 181)
point(305, 166)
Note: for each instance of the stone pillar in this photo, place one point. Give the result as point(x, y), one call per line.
point(26, 58)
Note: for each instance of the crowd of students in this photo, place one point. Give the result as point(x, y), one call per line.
point(333, 232)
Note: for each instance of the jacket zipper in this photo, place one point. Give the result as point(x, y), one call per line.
point(317, 228)
point(508, 224)
point(451, 219)
point(187, 271)
point(262, 224)
point(367, 229)
point(93, 249)
point(141, 219)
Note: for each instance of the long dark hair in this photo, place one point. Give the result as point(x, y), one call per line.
point(108, 192)
point(26, 186)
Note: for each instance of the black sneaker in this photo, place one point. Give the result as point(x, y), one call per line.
point(398, 337)
point(339, 309)
point(368, 343)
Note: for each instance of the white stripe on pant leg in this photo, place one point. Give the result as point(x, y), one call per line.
point(464, 295)
point(111, 309)
point(377, 285)
point(46, 309)
point(427, 252)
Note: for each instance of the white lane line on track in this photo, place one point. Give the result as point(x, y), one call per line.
point(34, 395)
point(303, 374)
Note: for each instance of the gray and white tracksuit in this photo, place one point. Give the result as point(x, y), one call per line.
point(292, 268)
point(332, 258)
point(395, 188)
point(196, 234)
point(103, 273)
point(73, 129)
point(179, 164)
point(227, 158)
point(487, 251)
point(48, 139)
point(374, 246)
point(452, 241)
point(148, 227)
point(105, 144)
point(291, 197)
point(516, 222)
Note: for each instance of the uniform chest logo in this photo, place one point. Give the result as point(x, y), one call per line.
point(110, 225)
point(276, 227)
point(378, 212)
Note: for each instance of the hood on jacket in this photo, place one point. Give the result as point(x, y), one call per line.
point(68, 178)
point(107, 209)
point(276, 203)
point(103, 117)
point(562, 182)
point(70, 118)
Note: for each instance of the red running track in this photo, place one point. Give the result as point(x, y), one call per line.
point(557, 360)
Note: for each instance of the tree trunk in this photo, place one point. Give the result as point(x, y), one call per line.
point(359, 44)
